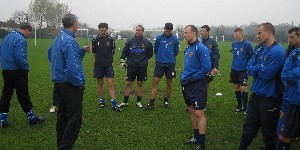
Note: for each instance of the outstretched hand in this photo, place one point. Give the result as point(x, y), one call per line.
point(87, 48)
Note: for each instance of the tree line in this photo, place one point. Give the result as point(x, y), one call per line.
point(47, 15)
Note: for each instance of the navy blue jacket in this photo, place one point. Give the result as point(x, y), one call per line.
point(242, 52)
point(289, 50)
point(213, 48)
point(196, 62)
point(103, 49)
point(137, 52)
point(291, 75)
point(66, 57)
point(166, 49)
point(13, 52)
point(263, 66)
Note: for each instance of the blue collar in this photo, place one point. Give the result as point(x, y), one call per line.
point(19, 32)
point(68, 32)
point(193, 42)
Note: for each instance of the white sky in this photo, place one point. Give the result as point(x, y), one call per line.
point(122, 14)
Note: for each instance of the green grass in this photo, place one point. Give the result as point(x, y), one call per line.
point(133, 128)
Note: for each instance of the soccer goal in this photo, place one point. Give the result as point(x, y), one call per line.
point(85, 34)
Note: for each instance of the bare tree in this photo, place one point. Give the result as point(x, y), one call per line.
point(48, 12)
point(61, 10)
point(38, 9)
point(179, 30)
point(22, 17)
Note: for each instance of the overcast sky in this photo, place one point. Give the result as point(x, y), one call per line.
point(122, 14)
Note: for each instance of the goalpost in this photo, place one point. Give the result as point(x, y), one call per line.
point(87, 35)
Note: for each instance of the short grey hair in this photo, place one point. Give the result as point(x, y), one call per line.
point(68, 20)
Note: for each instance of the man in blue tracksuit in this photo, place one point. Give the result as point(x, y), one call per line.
point(213, 48)
point(15, 68)
point(194, 85)
point(294, 42)
point(290, 111)
point(290, 48)
point(263, 105)
point(67, 73)
point(137, 50)
point(166, 49)
point(242, 51)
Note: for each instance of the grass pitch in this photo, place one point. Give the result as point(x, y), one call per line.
point(133, 128)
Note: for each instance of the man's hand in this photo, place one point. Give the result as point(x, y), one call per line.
point(123, 64)
point(214, 71)
point(87, 48)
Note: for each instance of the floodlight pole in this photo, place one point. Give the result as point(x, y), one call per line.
point(35, 36)
point(87, 36)
point(223, 38)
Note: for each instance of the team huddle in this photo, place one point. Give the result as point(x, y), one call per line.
point(273, 106)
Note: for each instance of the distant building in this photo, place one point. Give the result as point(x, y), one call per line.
point(8, 25)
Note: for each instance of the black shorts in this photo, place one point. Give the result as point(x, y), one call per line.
point(291, 123)
point(136, 72)
point(239, 77)
point(195, 93)
point(167, 70)
point(100, 72)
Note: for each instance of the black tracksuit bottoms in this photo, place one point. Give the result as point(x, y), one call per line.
point(15, 79)
point(262, 113)
point(69, 114)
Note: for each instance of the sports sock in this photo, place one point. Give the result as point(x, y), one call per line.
point(102, 101)
point(3, 118)
point(196, 134)
point(114, 102)
point(126, 99)
point(201, 139)
point(238, 96)
point(152, 102)
point(30, 115)
point(138, 98)
point(244, 96)
point(166, 99)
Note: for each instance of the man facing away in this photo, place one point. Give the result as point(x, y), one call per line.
point(15, 69)
point(166, 49)
point(68, 77)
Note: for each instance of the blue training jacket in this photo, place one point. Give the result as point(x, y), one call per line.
point(137, 52)
point(166, 49)
point(196, 62)
point(291, 75)
point(13, 52)
point(242, 52)
point(66, 57)
point(213, 48)
point(263, 66)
